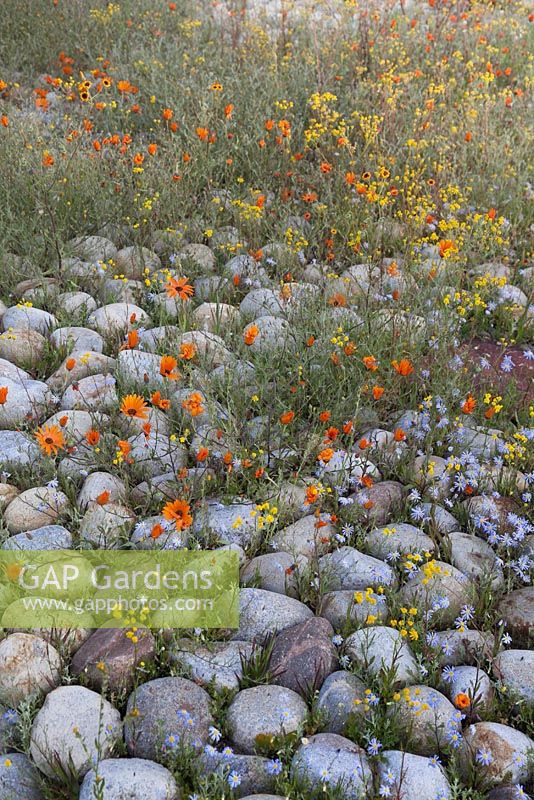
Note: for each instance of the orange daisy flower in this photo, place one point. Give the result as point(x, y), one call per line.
point(370, 362)
point(462, 701)
point(202, 454)
point(132, 340)
point(50, 439)
point(312, 495)
point(193, 404)
point(92, 437)
point(167, 365)
point(250, 334)
point(325, 455)
point(177, 511)
point(187, 351)
point(447, 247)
point(337, 300)
point(404, 367)
point(156, 531)
point(469, 405)
point(179, 287)
point(124, 447)
point(287, 417)
point(133, 405)
point(159, 401)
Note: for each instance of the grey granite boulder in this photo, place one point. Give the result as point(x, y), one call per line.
point(72, 729)
point(340, 701)
point(262, 715)
point(19, 778)
point(262, 614)
point(165, 707)
point(515, 670)
point(507, 753)
point(348, 568)
point(412, 777)
point(330, 760)
point(379, 650)
point(129, 779)
point(303, 656)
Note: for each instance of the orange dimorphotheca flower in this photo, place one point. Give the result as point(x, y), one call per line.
point(156, 531)
point(399, 435)
point(202, 454)
point(378, 391)
point(370, 362)
point(469, 405)
point(312, 494)
point(331, 434)
point(324, 416)
point(193, 404)
point(132, 339)
point(177, 511)
point(167, 367)
point(50, 439)
point(92, 437)
point(404, 367)
point(338, 300)
point(325, 455)
point(133, 405)
point(179, 287)
point(287, 417)
point(447, 247)
point(3, 394)
point(159, 401)
point(187, 351)
point(462, 700)
point(124, 446)
point(250, 334)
